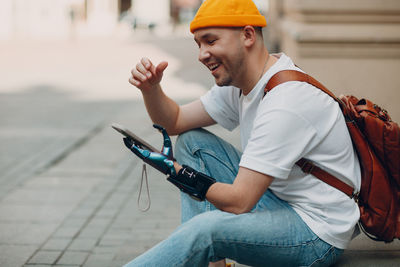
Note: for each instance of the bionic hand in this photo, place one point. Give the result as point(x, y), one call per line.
point(189, 181)
point(164, 161)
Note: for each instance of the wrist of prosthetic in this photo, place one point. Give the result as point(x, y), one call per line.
point(191, 182)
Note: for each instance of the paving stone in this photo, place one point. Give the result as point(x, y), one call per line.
point(67, 232)
point(73, 258)
point(111, 242)
point(45, 196)
point(15, 255)
point(104, 250)
point(129, 252)
point(83, 244)
point(115, 200)
point(98, 173)
point(118, 263)
point(27, 166)
point(9, 230)
point(92, 232)
point(117, 234)
point(74, 222)
point(99, 260)
point(98, 221)
point(362, 242)
point(72, 181)
point(37, 265)
point(22, 233)
point(35, 213)
point(104, 188)
point(83, 212)
point(45, 257)
point(55, 243)
point(107, 213)
point(381, 258)
point(96, 196)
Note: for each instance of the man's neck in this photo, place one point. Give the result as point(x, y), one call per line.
point(254, 72)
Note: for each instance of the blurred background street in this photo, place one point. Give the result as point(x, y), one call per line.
point(69, 187)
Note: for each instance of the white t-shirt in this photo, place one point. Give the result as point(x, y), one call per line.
point(293, 121)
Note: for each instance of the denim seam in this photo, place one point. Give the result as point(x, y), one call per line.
point(332, 248)
point(211, 153)
point(266, 244)
point(183, 262)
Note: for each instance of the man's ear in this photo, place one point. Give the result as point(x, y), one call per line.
point(249, 36)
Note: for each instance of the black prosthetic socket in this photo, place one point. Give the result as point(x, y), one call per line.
point(191, 182)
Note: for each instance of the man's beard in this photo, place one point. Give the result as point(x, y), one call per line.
point(225, 82)
point(235, 70)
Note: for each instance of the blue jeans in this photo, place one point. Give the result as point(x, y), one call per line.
point(271, 235)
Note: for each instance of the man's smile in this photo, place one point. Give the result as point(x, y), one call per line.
point(213, 66)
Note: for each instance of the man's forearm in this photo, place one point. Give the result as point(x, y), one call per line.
point(243, 194)
point(223, 196)
point(161, 109)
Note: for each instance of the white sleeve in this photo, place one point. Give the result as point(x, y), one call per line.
point(279, 138)
point(222, 104)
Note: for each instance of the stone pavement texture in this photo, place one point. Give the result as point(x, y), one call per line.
point(68, 186)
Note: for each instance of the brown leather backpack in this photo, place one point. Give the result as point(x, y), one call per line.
point(376, 139)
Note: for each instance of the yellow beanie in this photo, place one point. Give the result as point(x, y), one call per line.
point(227, 13)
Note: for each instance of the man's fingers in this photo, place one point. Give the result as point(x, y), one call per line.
point(142, 69)
point(146, 74)
point(147, 63)
point(134, 82)
point(146, 67)
point(136, 74)
point(161, 67)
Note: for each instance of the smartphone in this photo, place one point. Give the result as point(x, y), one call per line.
point(136, 139)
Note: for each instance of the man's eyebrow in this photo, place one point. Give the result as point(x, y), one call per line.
point(204, 36)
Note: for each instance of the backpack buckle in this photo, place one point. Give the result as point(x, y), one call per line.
point(355, 196)
point(307, 167)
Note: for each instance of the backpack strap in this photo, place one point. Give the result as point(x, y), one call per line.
point(306, 165)
point(294, 75)
point(309, 167)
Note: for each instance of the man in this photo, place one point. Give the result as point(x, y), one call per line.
point(262, 210)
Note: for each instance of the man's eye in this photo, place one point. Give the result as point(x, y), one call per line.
point(211, 41)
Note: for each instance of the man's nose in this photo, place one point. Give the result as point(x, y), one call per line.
point(204, 54)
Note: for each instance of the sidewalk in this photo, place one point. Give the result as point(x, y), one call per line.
point(68, 186)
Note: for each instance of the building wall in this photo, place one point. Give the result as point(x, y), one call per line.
point(61, 19)
point(6, 18)
point(102, 16)
point(40, 18)
point(351, 46)
point(152, 11)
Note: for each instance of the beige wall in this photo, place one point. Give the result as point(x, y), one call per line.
point(351, 46)
point(49, 19)
point(34, 19)
point(102, 16)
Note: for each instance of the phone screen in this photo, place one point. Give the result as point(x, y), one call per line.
point(136, 139)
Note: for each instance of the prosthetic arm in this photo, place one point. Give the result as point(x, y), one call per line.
point(195, 184)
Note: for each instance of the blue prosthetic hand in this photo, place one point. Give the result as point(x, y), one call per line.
point(188, 180)
point(164, 161)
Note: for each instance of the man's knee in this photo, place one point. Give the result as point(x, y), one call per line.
point(187, 142)
point(183, 139)
point(206, 226)
point(190, 137)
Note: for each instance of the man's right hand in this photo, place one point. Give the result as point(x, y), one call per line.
point(147, 76)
